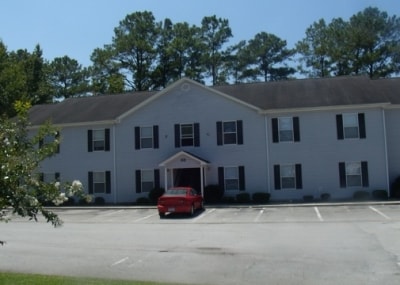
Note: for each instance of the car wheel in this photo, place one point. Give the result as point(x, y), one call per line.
point(162, 215)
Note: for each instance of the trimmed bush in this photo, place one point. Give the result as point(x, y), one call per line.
point(395, 188)
point(380, 194)
point(325, 196)
point(99, 201)
point(308, 198)
point(228, 199)
point(213, 194)
point(143, 201)
point(243, 198)
point(261, 197)
point(70, 202)
point(154, 194)
point(361, 195)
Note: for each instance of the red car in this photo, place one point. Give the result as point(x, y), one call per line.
point(179, 200)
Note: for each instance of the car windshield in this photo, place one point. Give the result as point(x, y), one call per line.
point(174, 192)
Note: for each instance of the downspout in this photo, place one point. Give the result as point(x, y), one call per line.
point(268, 182)
point(386, 152)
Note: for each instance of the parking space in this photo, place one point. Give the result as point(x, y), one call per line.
point(250, 214)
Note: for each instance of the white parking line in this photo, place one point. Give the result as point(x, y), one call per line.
point(120, 261)
point(144, 218)
point(202, 215)
point(259, 215)
point(318, 214)
point(111, 213)
point(379, 212)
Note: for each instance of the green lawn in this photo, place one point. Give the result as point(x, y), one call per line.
point(7, 278)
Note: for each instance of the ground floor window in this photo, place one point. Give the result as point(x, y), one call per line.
point(147, 180)
point(288, 176)
point(99, 182)
point(353, 174)
point(232, 178)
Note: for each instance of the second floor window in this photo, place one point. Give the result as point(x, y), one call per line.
point(285, 129)
point(350, 126)
point(230, 132)
point(146, 137)
point(187, 135)
point(99, 140)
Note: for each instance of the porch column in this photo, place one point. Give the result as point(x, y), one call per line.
point(165, 178)
point(201, 180)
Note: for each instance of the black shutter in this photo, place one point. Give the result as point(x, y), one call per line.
point(275, 132)
point(296, 129)
point(219, 133)
point(221, 178)
point(41, 176)
point(242, 184)
point(90, 181)
point(339, 127)
point(177, 135)
point(364, 173)
point(108, 182)
point(156, 178)
point(138, 176)
point(57, 176)
point(90, 140)
point(277, 176)
point(107, 139)
point(196, 134)
point(342, 174)
point(299, 179)
point(239, 125)
point(155, 137)
point(361, 125)
point(137, 137)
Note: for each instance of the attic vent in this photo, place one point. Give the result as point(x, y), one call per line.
point(185, 87)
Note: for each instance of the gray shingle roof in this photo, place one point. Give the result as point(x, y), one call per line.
point(301, 93)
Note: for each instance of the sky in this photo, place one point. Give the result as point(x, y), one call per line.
point(76, 27)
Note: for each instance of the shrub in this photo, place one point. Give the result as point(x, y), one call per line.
point(213, 194)
point(99, 201)
point(228, 199)
point(83, 202)
point(143, 201)
point(70, 202)
point(243, 198)
point(261, 197)
point(380, 194)
point(325, 196)
point(395, 188)
point(155, 193)
point(308, 198)
point(361, 195)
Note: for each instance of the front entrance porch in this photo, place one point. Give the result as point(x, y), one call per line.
point(185, 169)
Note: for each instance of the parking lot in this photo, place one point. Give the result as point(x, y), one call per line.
point(274, 244)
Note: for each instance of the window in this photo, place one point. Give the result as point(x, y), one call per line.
point(350, 126)
point(288, 176)
point(230, 132)
point(353, 174)
point(187, 135)
point(146, 137)
point(232, 178)
point(147, 179)
point(99, 140)
point(50, 177)
point(285, 129)
point(99, 182)
point(49, 139)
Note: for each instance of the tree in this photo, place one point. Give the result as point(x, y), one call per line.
point(268, 53)
point(21, 189)
point(215, 32)
point(134, 44)
point(67, 77)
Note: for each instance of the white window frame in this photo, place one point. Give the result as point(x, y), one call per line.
point(146, 179)
point(146, 138)
point(230, 179)
point(292, 177)
point(101, 138)
point(229, 133)
point(98, 180)
point(353, 170)
point(281, 125)
point(347, 118)
point(186, 136)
